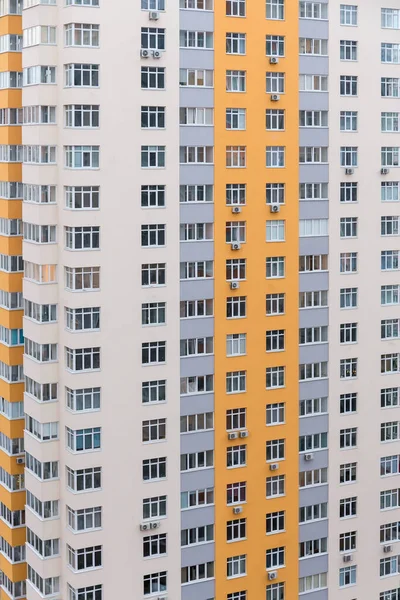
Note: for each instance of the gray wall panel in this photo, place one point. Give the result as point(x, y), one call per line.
point(198, 591)
point(196, 517)
point(191, 405)
point(197, 480)
point(194, 442)
point(320, 460)
point(313, 136)
point(312, 317)
point(314, 389)
point(313, 100)
point(310, 282)
point(315, 424)
point(197, 212)
point(318, 595)
point(196, 555)
point(314, 209)
point(192, 174)
point(193, 290)
point(314, 173)
point(199, 365)
point(312, 566)
point(313, 353)
point(196, 97)
point(313, 65)
point(313, 531)
point(196, 20)
point(196, 136)
point(196, 59)
point(313, 495)
point(197, 327)
point(314, 245)
point(192, 251)
point(312, 28)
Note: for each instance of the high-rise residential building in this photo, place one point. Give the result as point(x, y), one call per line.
point(199, 300)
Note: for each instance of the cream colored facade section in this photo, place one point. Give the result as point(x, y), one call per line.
point(120, 296)
point(368, 280)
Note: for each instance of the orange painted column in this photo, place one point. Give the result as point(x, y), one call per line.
point(254, 287)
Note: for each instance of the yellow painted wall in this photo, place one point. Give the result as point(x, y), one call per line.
point(255, 288)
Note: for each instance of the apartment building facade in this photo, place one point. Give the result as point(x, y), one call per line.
point(199, 292)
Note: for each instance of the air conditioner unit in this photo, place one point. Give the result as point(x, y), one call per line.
point(235, 285)
point(275, 97)
point(274, 60)
point(387, 548)
point(236, 209)
point(347, 558)
point(349, 171)
point(144, 53)
point(272, 575)
point(274, 467)
point(237, 510)
point(148, 526)
point(274, 208)
point(20, 460)
point(162, 597)
point(384, 171)
point(233, 435)
point(156, 53)
point(235, 246)
point(244, 434)
point(309, 456)
point(154, 15)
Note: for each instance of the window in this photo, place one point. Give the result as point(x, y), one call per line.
point(390, 329)
point(235, 156)
point(348, 507)
point(195, 78)
point(236, 456)
point(390, 431)
point(154, 545)
point(275, 340)
point(348, 403)
point(82, 157)
point(153, 78)
point(82, 278)
point(235, 194)
point(236, 344)
point(235, 382)
point(45, 510)
point(197, 572)
point(196, 498)
point(390, 363)
point(82, 238)
point(348, 50)
point(82, 75)
point(313, 371)
point(389, 260)
point(41, 352)
point(46, 587)
point(153, 38)
point(313, 10)
point(190, 309)
point(275, 377)
point(275, 304)
point(197, 422)
point(154, 469)
point(347, 576)
point(348, 333)
point(313, 46)
point(82, 197)
point(348, 120)
point(36, 75)
point(313, 118)
point(274, 45)
point(84, 480)
point(316, 299)
point(275, 156)
point(38, 234)
point(348, 297)
point(313, 83)
point(235, 269)
point(348, 14)
point(390, 53)
point(153, 353)
point(348, 262)
point(348, 473)
point(152, 157)
point(235, 419)
point(311, 263)
point(152, 5)
point(82, 359)
point(275, 522)
point(275, 83)
point(389, 566)
point(313, 227)
point(196, 232)
point(236, 493)
point(43, 470)
point(390, 19)
point(85, 519)
point(82, 440)
point(197, 270)
point(196, 39)
point(235, 231)
point(236, 530)
point(348, 438)
point(236, 307)
point(276, 9)
point(235, 81)
point(154, 391)
point(348, 85)
point(313, 406)
point(153, 235)
point(153, 313)
point(195, 116)
point(390, 156)
point(152, 117)
point(390, 295)
point(312, 583)
point(195, 193)
point(390, 87)
point(155, 583)
point(236, 8)
point(313, 335)
point(275, 486)
point(195, 155)
point(236, 118)
point(275, 267)
point(276, 231)
point(82, 115)
point(153, 274)
point(275, 120)
point(196, 346)
point(275, 450)
point(390, 594)
point(86, 399)
point(155, 507)
point(275, 558)
point(313, 512)
point(348, 368)
point(348, 227)
point(348, 156)
point(236, 43)
point(153, 430)
point(236, 566)
point(312, 442)
point(42, 431)
point(201, 384)
point(275, 591)
point(42, 392)
point(197, 535)
point(390, 499)
point(390, 226)
point(275, 193)
point(84, 558)
point(390, 122)
point(313, 547)
point(82, 34)
point(390, 397)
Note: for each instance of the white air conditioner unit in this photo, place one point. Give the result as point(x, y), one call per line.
point(237, 510)
point(148, 526)
point(384, 171)
point(244, 434)
point(272, 575)
point(144, 53)
point(236, 209)
point(275, 97)
point(20, 460)
point(154, 15)
point(162, 597)
point(233, 435)
point(347, 558)
point(274, 467)
point(235, 246)
point(309, 456)
point(349, 171)
point(235, 285)
point(387, 548)
point(274, 60)
point(156, 54)
point(274, 208)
